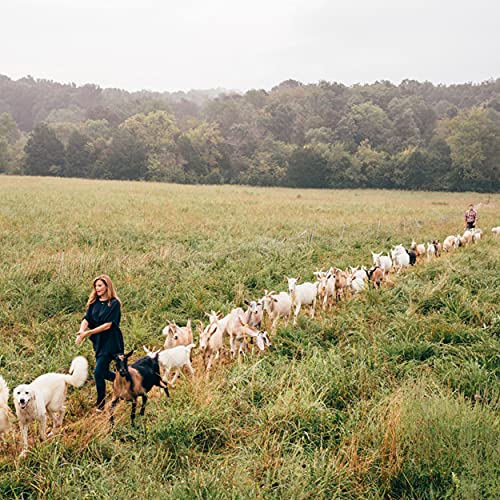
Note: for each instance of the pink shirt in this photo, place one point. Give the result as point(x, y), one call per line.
point(470, 215)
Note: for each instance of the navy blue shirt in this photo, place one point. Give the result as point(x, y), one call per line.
point(108, 342)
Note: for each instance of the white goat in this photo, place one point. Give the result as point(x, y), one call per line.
point(431, 251)
point(240, 338)
point(450, 243)
point(277, 306)
point(496, 230)
point(177, 358)
point(212, 337)
point(467, 237)
point(357, 279)
point(400, 257)
point(476, 234)
point(382, 261)
point(304, 294)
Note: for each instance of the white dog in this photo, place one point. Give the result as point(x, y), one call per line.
point(46, 394)
point(5, 411)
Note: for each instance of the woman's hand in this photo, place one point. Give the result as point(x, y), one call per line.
point(80, 337)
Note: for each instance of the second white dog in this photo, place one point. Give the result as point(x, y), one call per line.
point(5, 411)
point(46, 395)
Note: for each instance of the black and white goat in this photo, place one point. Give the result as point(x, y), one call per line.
point(135, 380)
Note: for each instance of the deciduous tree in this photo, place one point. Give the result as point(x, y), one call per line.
point(44, 152)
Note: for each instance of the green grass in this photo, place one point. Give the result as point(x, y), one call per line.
point(393, 394)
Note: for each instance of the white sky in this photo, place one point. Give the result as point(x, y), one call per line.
point(169, 45)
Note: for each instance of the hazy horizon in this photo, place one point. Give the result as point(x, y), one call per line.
point(219, 87)
point(238, 46)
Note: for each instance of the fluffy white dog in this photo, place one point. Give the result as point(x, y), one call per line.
point(46, 395)
point(5, 411)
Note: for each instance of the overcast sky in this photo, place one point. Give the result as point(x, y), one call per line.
point(198, 44)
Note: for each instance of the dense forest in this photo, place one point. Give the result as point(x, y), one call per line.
point(415, 135)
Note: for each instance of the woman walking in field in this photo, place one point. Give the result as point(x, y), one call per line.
point(102, 324)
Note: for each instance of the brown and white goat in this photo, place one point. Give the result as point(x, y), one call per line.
point(177, 335)
point(211, 341)
point(254, 313)
point(418, 248)
point(437, 247)
point(375, 276)
point(341, 283)
point(326, 287)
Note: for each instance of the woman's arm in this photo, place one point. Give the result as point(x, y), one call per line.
point(83, 334)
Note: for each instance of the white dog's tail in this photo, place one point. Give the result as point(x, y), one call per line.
point(78, 372)
point(4, 391)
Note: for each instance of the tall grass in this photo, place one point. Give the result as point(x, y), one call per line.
point(393, 394)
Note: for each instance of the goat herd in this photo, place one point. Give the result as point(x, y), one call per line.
point(46, 394)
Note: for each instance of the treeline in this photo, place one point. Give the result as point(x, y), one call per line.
point(408, 136)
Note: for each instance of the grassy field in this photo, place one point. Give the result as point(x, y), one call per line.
point(394, 394)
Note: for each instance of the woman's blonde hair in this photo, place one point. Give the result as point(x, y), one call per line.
point(109, 285)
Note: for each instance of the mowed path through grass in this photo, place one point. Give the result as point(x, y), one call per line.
point(375, 398)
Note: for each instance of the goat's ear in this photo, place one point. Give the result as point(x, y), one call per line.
point(287, 278)
point(129, 354)
point(298, 279)
point(188, 326)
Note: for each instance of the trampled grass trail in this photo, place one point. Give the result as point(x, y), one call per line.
point(393, 394)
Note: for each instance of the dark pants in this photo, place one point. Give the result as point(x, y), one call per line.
point(101, 374)
point(471, 225)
